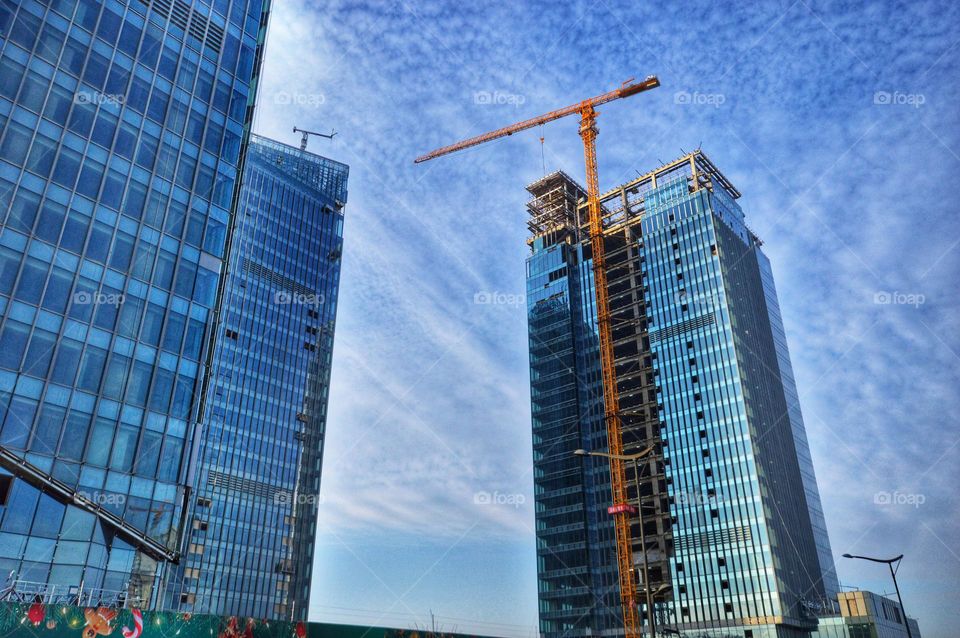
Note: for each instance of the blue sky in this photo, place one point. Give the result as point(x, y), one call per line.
point(837, 121)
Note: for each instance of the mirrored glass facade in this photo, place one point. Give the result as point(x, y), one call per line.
point(250, 550)
point(736, 539)
point(122, 127)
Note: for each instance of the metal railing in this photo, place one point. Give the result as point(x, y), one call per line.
point(26, 591)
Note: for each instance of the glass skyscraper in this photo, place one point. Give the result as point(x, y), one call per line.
point(253, 521)
point(122, 135)
point(736, 543)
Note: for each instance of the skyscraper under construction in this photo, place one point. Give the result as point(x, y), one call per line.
point(735, 538)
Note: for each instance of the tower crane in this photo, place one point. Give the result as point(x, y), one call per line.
point(611, 400)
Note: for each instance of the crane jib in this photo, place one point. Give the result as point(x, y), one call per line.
point(626, 90)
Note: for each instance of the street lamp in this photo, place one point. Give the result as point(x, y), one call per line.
point(634, 459)
point(893, 573)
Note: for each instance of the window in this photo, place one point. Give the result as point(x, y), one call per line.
point(152, 324)
point(23, 211)
point(115, 376)
point(129, 39)
point(105, 128)
point(16, 143)
point(98, 450)
point(149, 455)
point(186, 276)
point(143, 261)
point(81, 118)
point(92, 365)
point(34, 91)
point(58, 105)
point(74, 54)
point(122, 251)
point(124, 447)
point(139, 383)
point(75, 435)
point(160, 393)
point(67, 168)
point(136, 197)
point(42, 151)
point(19, 418)
point(25, 30)
point(49, 426)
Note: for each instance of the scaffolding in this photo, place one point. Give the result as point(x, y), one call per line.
point(559, 202)
point(555, 203)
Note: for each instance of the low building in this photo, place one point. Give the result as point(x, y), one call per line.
point(864, 614)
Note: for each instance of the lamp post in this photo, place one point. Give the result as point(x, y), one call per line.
point(889, 563)
point(634, 459)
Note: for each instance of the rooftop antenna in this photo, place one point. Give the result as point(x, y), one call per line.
point(305, 135)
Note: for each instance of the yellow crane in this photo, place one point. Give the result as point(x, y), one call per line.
point(611, 399)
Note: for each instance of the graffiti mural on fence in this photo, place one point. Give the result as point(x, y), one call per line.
point(38, 620)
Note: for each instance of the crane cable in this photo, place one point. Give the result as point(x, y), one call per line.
point(543, 159)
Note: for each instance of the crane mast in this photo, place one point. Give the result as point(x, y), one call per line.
point(611, 399)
